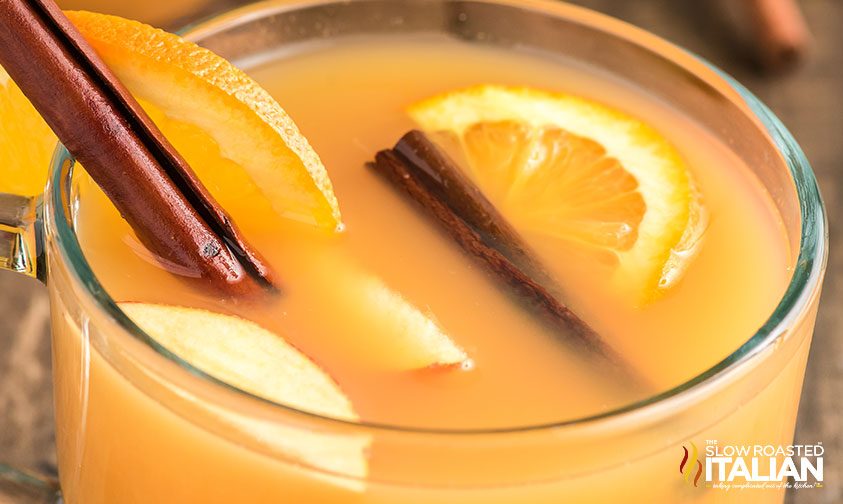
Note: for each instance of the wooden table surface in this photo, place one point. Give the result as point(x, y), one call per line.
point(810, 103)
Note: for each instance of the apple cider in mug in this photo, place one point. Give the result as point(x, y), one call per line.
point(550, 244)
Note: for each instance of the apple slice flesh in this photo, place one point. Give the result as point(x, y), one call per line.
point(391, 333)
point(244, 355)
point(413, 340)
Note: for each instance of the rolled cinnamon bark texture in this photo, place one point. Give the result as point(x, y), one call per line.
point(424, 173)
point(105, 129)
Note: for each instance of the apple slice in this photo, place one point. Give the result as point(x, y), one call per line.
point(243, 354)
point(392, 334)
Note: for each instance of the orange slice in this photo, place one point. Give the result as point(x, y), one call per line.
point(26, 142)
point(208, 109)
point(579, 174)
point(195, 86)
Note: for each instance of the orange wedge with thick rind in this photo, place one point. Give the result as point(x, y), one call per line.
point(208, 108)
point(26, 142)
point(577, 173)
point(192, 85)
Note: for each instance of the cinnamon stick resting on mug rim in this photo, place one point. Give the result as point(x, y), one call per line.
point(106, 130)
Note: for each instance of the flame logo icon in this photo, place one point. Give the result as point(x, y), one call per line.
point(691, 464)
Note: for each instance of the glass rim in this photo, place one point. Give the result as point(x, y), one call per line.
point(805, 280)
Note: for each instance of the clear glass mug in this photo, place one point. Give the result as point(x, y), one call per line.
point(136, 424)
point(161, 13)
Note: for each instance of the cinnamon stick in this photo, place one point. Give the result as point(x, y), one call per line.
point(454, 202)
point(105, 129)
point(440, 175)
point(781, 32)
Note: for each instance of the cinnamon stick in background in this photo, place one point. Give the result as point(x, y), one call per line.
point(430, 178)
point(780, 31)
point(103, 126)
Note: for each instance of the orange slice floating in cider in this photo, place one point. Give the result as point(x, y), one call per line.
point(580, 174)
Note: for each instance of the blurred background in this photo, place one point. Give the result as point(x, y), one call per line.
point(798, 73)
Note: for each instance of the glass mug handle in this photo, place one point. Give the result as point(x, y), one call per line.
point(21, 251)
point(20, 487)
point(20, 235)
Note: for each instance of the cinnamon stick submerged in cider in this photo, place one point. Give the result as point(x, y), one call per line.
point(104, 127)
point(427, 175)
